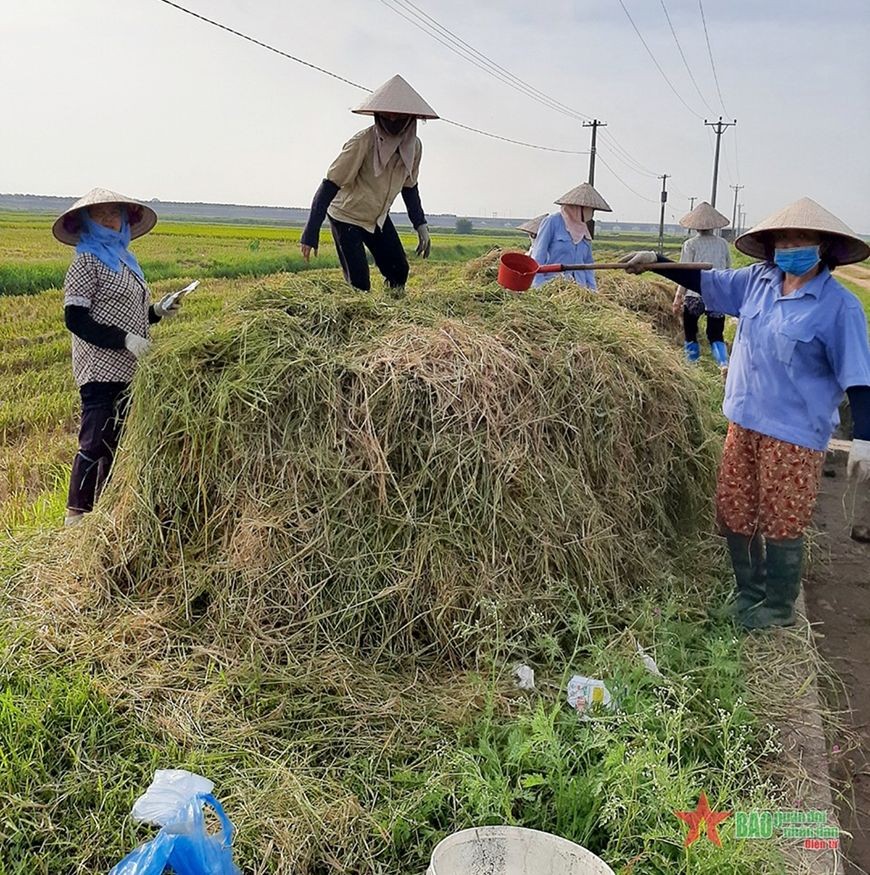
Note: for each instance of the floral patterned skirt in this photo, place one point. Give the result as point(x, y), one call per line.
point(766, 485)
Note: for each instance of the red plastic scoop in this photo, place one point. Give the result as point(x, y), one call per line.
point(516, 271)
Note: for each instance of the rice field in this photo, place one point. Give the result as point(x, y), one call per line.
point(31, 260)
point(356, 704)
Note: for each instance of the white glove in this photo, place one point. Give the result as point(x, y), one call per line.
point(858, 466)
point(137, 345)
point(637, 261)
point(168, 305)
point(425, 244)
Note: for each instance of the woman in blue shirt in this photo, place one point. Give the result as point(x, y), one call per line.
point(800, 347)
point(566, 238)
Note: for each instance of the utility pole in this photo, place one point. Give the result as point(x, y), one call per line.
point(719, 128)
point(734, 212)
point(595, 124)
point(691, 207)
point(664, 179)
point(741, 217)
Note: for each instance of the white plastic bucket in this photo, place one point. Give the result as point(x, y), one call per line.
point(512, 850)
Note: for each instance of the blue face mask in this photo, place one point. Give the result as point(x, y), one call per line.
point(797, 261)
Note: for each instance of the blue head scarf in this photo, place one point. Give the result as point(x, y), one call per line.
point(108, 245)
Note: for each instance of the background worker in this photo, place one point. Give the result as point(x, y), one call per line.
point(531, 228)
point(565, 237)
point(704, 247)
point(107, 309)
point(362, 183)
point(801, 345)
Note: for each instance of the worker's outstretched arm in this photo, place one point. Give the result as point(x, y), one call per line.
point(323, 197)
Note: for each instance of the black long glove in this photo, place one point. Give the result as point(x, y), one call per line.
point(322, 199)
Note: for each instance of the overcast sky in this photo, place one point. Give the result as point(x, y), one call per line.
point(137, 96)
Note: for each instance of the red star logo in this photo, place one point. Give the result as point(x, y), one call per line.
point(702, 815)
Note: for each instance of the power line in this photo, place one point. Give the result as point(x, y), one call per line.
point(458, 40)
point(655, 61)
point(710, 53)
point(683, 56)
point(477, 59)
point(509, 140)
point(736, 155)
point(718, 89)
point(329, 73)
point(620, 179)
point(727, 156)
point(626, 158)
point(468, 52)
point(257, 42)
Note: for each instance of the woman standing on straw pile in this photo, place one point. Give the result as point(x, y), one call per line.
point(800, 346)
point(565, 237)
point(705, 247)
point(106, 307)
point(362, 183)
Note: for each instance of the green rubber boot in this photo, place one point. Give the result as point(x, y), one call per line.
point(747, 560)
point(784, 565)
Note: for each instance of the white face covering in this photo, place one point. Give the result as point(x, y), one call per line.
point(386, 145)
point(575, 221)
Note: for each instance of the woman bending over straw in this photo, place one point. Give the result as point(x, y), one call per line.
point(800, 346)
point(362, 183)
point(566, 237)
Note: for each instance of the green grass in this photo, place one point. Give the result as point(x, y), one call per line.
point(69, 770)
point(862, 293)
point(77, 752)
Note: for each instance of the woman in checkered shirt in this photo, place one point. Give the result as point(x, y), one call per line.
point(107, 308)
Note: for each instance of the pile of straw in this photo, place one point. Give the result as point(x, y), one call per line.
point(651, 301)
point(484, 268)
point(332, 470)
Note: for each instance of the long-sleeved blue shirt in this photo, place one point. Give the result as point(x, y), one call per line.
point(794, 355)
point(554, 245)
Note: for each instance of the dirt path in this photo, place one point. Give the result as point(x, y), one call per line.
point(838, 604)
point(857, 274)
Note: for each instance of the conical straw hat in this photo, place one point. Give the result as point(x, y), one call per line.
point(704, 218)
point(584, 196)
point(845, 246)
point(67, 227)
point(396, 95)
point(532, 226)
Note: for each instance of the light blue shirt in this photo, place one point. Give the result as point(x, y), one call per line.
point(794, 355)
point(554, 245)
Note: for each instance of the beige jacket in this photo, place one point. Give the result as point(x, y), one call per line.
point(365, 199)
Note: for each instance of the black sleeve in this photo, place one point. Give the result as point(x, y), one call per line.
point(322, 199)
point(411, 197)
point(688, 279)
point(153, 318)
point(80, 322)
point(859, 401)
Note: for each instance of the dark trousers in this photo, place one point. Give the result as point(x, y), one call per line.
point(715, 327)
point(386, 249)
point(104, 408)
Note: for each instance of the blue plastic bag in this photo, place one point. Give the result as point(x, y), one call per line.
point(175, 801)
